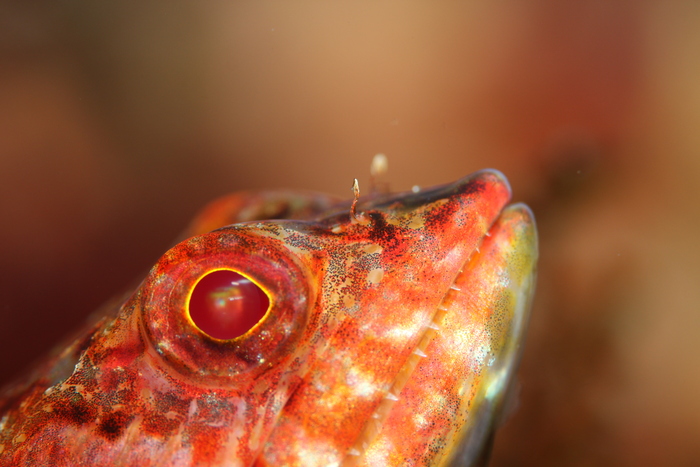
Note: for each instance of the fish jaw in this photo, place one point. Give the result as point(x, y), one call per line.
point(352, 299)
point(461, 370)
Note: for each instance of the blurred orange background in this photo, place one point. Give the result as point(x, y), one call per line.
point(117, 121)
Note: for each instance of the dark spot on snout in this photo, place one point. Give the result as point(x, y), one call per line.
point(391, 237)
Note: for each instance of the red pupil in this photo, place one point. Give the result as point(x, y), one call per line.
point(225, 304)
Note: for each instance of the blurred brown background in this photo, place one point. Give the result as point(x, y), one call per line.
point(117, 121)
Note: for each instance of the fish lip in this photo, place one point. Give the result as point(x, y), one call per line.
point(496, 174)
point(489, 410)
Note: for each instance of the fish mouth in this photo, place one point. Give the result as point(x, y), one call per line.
point(449, 395)
point(414, 311)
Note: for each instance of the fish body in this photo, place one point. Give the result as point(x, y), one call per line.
point(387, 335)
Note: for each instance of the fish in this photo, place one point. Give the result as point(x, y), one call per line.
point(293, 328)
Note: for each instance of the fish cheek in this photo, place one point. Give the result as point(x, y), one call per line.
point(222, 307)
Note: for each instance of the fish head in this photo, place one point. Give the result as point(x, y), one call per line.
point(385, 334)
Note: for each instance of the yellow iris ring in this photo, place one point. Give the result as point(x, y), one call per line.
point(250, 331)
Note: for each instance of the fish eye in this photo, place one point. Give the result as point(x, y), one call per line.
point(226, 304)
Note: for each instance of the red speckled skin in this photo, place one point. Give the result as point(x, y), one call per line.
point(354, 302)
